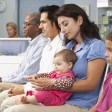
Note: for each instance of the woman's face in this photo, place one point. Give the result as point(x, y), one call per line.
point(108, 53)
point(11, 31)
point(69, 27)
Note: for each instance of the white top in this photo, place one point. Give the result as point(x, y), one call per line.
point(46, 62)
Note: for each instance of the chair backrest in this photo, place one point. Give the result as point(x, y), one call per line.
point(104, 77)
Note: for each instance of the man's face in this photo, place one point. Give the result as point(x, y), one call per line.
point(46, 25)
point(29, 29)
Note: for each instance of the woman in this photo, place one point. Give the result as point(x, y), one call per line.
point(90, 50)
point(12, 30)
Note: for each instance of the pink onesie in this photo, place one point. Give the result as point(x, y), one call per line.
point(53, 97)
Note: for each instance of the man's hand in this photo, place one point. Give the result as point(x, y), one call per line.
point(16, 90)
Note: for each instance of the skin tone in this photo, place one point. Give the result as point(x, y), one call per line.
point(108, 55)
point(29, 29)
point(71, 30)
point(48, 29)
point(16, 90)
point(11, 31)
point(60, 67)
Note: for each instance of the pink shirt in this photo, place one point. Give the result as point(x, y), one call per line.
point(106, 98)
point(53, 97)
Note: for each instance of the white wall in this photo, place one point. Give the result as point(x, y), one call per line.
point(10, 14)
point(92, 7)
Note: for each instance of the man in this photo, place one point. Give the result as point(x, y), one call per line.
point(51, 30)
point(32, 56)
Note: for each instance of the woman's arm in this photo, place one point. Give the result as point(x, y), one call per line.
point(94, 72)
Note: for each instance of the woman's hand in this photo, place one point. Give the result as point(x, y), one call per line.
point(42, 83)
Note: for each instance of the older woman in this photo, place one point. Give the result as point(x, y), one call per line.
point(12, 30)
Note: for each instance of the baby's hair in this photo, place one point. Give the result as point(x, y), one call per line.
point(109, 36)
point(68, 55)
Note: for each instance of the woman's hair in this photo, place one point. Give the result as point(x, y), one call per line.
point(68, 55)
point(88, 28)
point(51, 10)
point(109, 36)
point(14, 26)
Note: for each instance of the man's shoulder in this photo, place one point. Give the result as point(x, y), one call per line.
point(40, 39)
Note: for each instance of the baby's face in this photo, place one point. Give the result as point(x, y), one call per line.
point(108, 53)
point(60, 65)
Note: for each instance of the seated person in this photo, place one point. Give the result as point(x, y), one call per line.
point(12, 30)
point(63, 62)
point(89, 48)
point(32, 56)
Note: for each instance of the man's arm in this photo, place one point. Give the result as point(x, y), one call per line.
point(29, 69)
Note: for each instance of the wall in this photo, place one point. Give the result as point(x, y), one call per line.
point(92, 7)
point(10, 14)
point(13, 14)
point(33, 5)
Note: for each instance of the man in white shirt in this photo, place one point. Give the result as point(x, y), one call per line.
point(32, 56)
point(51, 30)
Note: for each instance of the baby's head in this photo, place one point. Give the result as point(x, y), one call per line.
point(64, 61)
point(108, 44)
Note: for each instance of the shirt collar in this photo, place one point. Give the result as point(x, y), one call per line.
point(55, 41)
point(36, 39)
point(85, 44)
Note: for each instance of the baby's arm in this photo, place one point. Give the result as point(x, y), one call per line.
point(42, 75)
point(36, 76)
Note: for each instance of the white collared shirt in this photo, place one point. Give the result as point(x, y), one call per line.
point(30, 63)
point(52, 47)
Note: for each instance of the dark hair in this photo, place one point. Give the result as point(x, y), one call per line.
point(88, 28)
point(68, 55)
point(35, 17)
point(109, 36)
point(51, 10)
